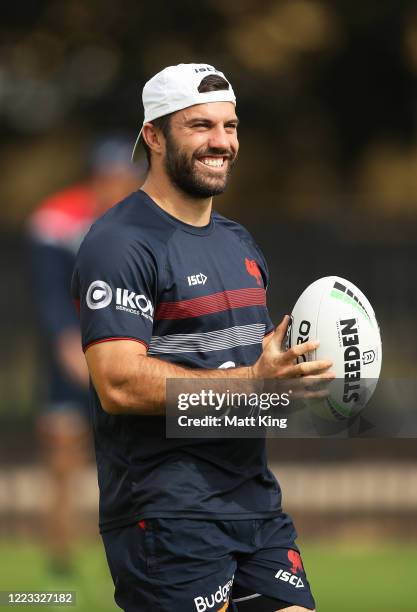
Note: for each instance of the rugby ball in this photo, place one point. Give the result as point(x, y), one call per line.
point(335, 312)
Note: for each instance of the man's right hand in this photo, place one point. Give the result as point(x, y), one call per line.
point(278, 363)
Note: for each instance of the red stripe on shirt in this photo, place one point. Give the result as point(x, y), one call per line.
point(208, 304)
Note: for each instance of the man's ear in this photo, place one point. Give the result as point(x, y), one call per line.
point(153, 138)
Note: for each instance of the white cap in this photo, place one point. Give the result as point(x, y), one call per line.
point(175, 88)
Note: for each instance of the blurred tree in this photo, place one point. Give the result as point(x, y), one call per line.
point(319, 84)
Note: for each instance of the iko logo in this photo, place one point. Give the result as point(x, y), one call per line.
point(221, 596)
point(99, 295)
point(133, 303)
point(197, 279)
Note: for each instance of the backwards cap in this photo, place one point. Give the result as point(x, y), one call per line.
point(175, 88)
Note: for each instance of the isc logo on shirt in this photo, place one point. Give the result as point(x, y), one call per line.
point(197, 279)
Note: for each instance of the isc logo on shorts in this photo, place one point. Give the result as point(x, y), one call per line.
point(290, 578)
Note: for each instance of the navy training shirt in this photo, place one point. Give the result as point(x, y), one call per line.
point(196, 297)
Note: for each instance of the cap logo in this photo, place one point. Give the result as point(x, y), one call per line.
point(205, 69)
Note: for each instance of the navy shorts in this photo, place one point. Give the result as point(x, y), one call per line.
point(184, 565)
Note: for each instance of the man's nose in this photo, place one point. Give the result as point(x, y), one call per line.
point(219, 138)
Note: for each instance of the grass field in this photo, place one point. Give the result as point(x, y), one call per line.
point(344, 578)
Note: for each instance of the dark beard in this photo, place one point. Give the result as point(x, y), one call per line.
point(182, 171)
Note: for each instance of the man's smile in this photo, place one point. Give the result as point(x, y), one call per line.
point(214, 162)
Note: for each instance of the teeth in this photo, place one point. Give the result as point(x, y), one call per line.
point(213, 161)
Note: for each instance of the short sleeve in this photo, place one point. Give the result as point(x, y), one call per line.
point(114, 287)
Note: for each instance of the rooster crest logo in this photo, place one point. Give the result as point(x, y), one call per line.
point(295, 559)
point(253, 269)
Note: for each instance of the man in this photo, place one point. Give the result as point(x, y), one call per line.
point(56, 229)
point(188, 525)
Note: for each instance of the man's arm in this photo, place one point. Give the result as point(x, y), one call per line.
point(129, 382)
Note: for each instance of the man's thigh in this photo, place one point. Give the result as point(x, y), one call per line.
point(262, 603)
point(272, 577)
point(164, 565)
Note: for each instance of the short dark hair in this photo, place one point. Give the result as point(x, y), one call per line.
point(212, 82)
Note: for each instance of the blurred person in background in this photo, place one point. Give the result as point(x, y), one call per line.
point(56, 229)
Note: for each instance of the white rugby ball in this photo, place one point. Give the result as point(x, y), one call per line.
point(335, 312)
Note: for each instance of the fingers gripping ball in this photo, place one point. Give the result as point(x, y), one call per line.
point(335, 312)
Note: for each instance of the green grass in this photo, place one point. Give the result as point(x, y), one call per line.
point(355, 578)
point(344, 578)
point(25, 567)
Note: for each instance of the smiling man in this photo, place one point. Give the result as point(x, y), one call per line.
point(168, 288)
